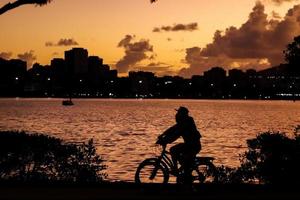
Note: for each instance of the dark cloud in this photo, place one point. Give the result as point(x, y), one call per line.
point(5, 55)
point(158, 68)
point(28, 57)
point(258, 43)
point(279, 2)
point(177, 27)
point(62, 42)
point(276, 15)
point(198, 64)
point(134, 52)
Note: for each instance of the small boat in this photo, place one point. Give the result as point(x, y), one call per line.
point(67, 102)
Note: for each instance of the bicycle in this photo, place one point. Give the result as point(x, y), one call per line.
point(159, 169)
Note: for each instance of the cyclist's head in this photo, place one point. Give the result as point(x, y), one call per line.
point(182, 113)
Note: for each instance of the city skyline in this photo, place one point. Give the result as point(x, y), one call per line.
point(163, 37)
point(80, 75)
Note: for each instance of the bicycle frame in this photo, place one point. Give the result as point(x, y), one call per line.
point(165, 161)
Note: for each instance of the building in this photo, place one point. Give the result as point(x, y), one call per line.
point(12, 76)
point(142, 84)
point(215, 74)
point(77, 61)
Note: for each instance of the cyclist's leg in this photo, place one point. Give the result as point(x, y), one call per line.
point(176, 152)
point(189, 158)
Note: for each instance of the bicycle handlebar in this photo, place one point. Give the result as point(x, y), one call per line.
point(164, 146)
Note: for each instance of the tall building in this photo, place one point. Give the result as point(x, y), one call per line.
point(95, 65)
point(77, 61)
point(58, 72)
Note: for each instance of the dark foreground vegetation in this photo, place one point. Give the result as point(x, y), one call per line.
point(32, 158)
point(272, 158)
point(36, 166)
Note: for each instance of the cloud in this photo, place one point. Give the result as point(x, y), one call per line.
point(28, 57)
point(62, 42)
point(198, 64)
point(5, 55)
point(158, 68)
point(276, 15)
point(135, 52)
point(258, 42)
point(177, 27)
point(279, 2)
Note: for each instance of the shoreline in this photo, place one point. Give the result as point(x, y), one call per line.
point(145, 99)
point(133, 191)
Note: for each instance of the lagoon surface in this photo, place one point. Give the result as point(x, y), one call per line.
point(125, 131)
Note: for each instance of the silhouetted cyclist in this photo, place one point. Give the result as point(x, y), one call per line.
point(186, 152)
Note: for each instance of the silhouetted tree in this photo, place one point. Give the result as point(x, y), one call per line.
point(18, 3)
point(292, 55)
point(40, 158)
point(272, 158)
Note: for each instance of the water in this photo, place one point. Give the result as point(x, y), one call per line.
point(125, 130)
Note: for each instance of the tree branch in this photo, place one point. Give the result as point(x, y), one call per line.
point(18, 3)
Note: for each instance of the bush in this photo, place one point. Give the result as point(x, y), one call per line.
point(272, 158)
point(40, 158)
point(228, 175)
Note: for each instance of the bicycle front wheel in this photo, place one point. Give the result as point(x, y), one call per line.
point(150, 171)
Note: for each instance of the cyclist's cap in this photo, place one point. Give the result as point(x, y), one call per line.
point(182, 110)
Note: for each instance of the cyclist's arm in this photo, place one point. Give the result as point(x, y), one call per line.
point(170, 135)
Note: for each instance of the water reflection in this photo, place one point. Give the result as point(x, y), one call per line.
point(125, 130)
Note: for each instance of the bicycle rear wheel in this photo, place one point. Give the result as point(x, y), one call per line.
point(149, 172)
point(204, 173)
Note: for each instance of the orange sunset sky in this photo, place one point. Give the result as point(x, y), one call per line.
point(169, 37)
